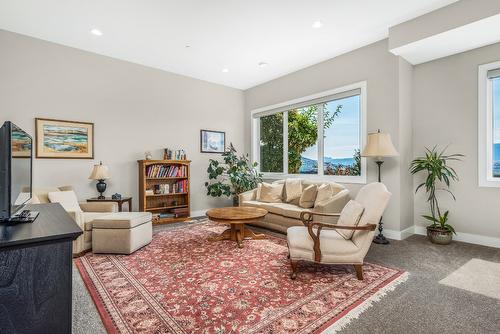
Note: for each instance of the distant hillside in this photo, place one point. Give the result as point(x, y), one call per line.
point(310, 166)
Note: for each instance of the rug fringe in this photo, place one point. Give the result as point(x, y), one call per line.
point(358, 310)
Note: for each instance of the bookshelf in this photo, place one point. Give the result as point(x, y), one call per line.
point(155, 176)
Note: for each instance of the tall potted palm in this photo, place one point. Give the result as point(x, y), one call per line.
point(439, 177)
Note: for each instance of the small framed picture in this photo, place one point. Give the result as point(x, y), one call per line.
point(64, 139)
point(212, 141)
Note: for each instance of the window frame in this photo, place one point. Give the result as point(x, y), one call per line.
point(485, 126)
point(283, 107)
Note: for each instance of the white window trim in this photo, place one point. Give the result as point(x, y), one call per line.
point(255, 129)
point(485, 127)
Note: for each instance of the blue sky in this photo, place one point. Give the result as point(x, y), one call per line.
point(342, 138)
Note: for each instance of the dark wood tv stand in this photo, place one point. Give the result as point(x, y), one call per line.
point(36, 272)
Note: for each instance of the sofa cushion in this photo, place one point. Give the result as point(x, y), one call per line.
point(350, 216)
point(122, 220)
point(67, 199)
point(292, 211)
point(308, 196)
point(330, 241)
point(270, 193)
point(293, 189)
point(325, 192)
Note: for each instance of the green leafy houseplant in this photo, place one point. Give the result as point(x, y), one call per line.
point(439, 177)
point(232, 177)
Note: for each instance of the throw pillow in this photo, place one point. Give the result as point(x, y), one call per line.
point(270, 192)
point(308, 196)
point(350, 216)
point(293, 189)
point(67, 199)
point(325, 191)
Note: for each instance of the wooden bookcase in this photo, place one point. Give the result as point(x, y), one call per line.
point(164, 203)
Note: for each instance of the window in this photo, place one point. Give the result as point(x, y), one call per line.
point(317, 136)
point(489, 125)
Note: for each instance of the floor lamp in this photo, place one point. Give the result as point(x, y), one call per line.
point(379, 146)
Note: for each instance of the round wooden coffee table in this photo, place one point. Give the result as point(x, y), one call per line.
point(237, 217)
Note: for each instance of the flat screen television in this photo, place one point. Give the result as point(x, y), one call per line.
point(16, 157)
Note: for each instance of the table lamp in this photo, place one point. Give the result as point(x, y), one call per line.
point(379, 146)
point(100, 173)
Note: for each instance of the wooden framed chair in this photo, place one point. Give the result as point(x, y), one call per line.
point(319, 240)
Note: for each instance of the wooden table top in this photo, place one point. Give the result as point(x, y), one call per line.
point(240, 213)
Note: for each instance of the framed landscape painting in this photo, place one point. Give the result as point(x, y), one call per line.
point(212, 141)
point(64, 139)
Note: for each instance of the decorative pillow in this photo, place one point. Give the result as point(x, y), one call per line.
point(67, 199)
point(270, 192)
point(325, 191)
point(308, 196)
point(350, 216)
point(293, 189)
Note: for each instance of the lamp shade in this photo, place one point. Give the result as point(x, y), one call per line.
point(99, 172)
point(379, 145)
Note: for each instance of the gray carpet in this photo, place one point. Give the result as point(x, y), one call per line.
point(420, 305)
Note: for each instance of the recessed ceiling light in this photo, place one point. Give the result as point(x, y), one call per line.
point(225, 70)
point(317, 24)
point(263, 64)
point(187, 46)
point(96, 32)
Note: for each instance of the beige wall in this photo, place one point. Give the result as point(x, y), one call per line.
point(445, 97)
point(380, 69)
point(134, 109)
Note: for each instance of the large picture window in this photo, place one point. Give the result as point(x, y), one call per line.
point(315, 136)
point(489, 125)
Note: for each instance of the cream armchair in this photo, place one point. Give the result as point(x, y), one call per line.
point(90, 211)
point(319, 241)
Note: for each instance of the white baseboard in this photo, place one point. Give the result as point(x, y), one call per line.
point(199, 213)
point(467, 237)
point(399, 235)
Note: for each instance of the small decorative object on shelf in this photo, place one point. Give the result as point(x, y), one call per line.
point(174, 155)
point(164, 187)
point(116, 196)
point(148, 155)
point(100, 173)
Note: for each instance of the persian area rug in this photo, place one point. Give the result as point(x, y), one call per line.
point(183, 283)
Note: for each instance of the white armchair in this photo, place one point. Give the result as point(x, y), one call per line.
point(319, 241)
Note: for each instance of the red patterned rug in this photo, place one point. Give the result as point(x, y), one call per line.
point(182, 283)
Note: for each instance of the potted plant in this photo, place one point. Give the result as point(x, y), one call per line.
point(439, 176)
point(232, 177)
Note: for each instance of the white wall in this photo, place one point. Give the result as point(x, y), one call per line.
point(380, 69)
point(134, 108)
point(445, 97)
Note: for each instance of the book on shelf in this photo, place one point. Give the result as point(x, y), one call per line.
point(162, 171)
point(174, 155)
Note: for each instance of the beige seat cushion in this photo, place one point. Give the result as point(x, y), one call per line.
point(255, 204)
point(325, 192)
point(293, 189)
point(308, 196)
point(67, 199)
point(270, 193)
point(122, 220)
point(89, 217)
point(350, 216)
point(330, 242)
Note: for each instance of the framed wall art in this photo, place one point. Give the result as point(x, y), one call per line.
point(60, 139)
point(212, 141)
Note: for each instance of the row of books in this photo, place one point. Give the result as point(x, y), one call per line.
point(166, 171)
point(181, 186)
point(174, 155)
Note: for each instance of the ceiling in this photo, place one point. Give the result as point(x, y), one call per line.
point(221, 41)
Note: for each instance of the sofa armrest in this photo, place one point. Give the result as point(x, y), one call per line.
point(247, 195)
point(334, 204)
point(99, 206)
point(78, 218)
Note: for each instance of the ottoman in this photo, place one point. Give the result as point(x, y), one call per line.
point(121, 232)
